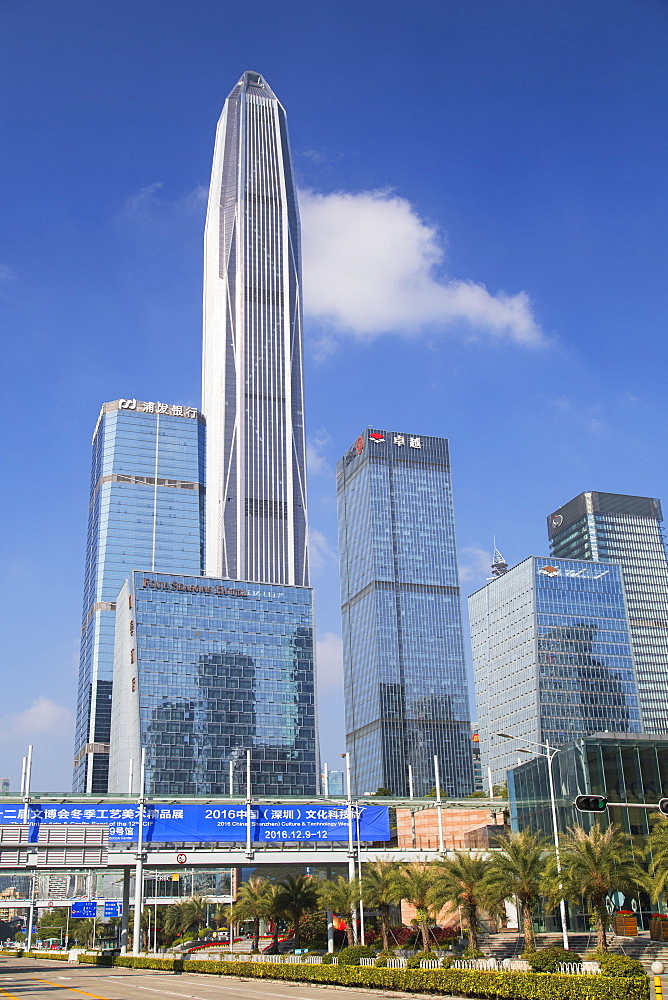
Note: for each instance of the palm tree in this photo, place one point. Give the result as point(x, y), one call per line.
point(174, 921)
point(343, 897)
point(251, 904)
point(379, 886)
point(298, 893)
point(415, 883)
point(657, 852)
point(462, 880)
point(190, 913)
point(593, 865)
point(517, 869)
point(274, 912)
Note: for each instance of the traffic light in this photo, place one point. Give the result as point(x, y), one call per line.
point(663, 806)
point(592, 803)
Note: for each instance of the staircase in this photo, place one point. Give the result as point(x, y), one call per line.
point(502, 946)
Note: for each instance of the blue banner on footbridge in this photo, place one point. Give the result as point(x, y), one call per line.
point(210, 823)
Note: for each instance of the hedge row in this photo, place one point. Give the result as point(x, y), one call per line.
point(452, 982)
point(57, 956)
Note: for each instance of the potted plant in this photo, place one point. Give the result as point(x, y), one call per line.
point(658, 927)
point(625, 923)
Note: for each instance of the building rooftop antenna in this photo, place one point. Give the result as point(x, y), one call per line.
point(499, 564)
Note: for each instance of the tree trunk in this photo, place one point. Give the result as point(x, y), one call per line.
point(256, 933)
point(295, 931)
point(527, 920)
point(425, 935)
point(472, 930)
point(349, 930)
point(385, 927)
point(274, 936)
point(601, 937)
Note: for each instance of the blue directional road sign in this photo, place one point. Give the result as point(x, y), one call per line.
point(112, 908)
point(84, 908)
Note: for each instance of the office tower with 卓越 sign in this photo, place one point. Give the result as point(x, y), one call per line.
point(406, 697)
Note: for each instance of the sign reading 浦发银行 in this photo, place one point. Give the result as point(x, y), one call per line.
point(211, 823)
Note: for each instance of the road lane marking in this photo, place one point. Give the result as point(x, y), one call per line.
point(75, 990)
point(8, 994)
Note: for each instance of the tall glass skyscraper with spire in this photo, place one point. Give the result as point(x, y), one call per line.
point(252, 384)
point(253, 401)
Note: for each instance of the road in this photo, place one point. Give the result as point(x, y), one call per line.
point(23, 979)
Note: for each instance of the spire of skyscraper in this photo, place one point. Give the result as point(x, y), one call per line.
point(252, 379)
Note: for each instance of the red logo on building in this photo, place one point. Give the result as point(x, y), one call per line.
point(359, 444)
point(375, 436)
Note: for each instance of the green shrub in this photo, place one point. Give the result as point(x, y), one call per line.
point(414, 961)
point(481, 985)
point(352, 954)
point(381, 962)
point(447, 961)
point(618, 965)
point(327, 959)
point(547, 959)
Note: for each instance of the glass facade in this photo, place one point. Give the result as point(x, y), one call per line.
point(626, 768)
point(146, 508)
point(206, 669)
point(252, 381)
point(613, 527)
point(552, 657)
point(406, 696)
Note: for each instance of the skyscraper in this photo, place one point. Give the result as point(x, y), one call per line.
point(403, 647)
point(146, 509)
point(612, 527)
point(252, 383)
point(205, 669)
point(551, 657)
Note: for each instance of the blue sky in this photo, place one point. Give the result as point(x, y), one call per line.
point(484, 208)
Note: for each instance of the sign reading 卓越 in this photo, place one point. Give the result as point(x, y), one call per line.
point(210, 823)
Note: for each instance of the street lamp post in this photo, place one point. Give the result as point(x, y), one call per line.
point(550, 753)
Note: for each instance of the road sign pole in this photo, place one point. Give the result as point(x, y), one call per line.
point(139, 867)
point(125, 914)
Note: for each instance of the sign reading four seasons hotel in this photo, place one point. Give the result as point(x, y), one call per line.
point(205, 669)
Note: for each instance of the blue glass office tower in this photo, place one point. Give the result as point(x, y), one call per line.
point(613, 527)
point(146, 509)
point(552, 657)
point(252, 363)
point(205, 669)
point(403, 648)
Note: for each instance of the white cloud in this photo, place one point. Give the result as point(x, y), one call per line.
point(147, 201)
point(316, 461)
point(475, 563)
point(320, 551)
point(373, 266)
point(6, 274)
point(329, 657)
point(43, 718)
